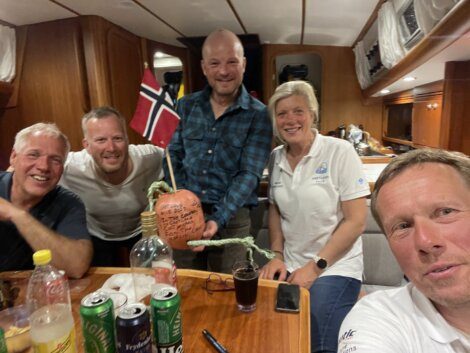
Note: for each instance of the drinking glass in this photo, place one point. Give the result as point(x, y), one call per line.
point(245, 277)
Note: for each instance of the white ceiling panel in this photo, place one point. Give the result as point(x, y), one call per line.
point(22, 12)
point(196, 17)
point(128, 15)
point(279, 24)
point(336, 22)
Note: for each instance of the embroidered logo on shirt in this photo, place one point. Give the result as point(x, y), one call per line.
point(344, 345)
point(322, 169)
point(361, 181)
point(321, 175)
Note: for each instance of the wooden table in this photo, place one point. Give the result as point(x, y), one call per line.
point(263, 330)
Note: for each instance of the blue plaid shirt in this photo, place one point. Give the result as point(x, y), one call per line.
point(221, 160)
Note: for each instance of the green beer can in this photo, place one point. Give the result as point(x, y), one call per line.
point(3, 343)
point(167, 320)
point(97, 315)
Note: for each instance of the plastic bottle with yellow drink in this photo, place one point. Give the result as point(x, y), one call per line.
point(48, 297)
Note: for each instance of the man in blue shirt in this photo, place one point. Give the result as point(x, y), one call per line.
point(219, 151)
point(37, 214)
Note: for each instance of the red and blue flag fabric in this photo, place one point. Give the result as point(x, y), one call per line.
point(155, 117)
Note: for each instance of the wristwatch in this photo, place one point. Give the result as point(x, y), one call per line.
point(320, 262)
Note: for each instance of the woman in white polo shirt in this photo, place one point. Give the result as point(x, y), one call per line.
point(317, 212)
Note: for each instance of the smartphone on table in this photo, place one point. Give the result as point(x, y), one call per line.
point(287, 299)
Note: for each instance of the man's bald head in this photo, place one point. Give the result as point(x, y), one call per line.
point(221, 37)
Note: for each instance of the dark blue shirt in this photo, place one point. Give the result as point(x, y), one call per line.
point(221, 160)
point(60, 210)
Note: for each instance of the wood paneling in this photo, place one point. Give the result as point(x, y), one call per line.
point(125, 65)
point(65, 68)
point(341, 101)
point(426, 124)
point(96, 58)
point(456, 110)
point(426, 110)
point(6, 90)
point(52, 83)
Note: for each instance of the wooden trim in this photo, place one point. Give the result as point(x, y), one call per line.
point(411, 95)
point(454, 25)
point(394, 140)
point(454, 119)
point(402, 98)
point(237, 16)
point(369, 23)
point(375, 160)
point(429, 89)
point(94, 48)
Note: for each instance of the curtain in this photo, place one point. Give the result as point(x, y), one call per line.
point(7, 53)
point(391, 49)
point(429, 12)
point(362, 65)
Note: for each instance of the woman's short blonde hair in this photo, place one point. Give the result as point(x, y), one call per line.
point(293, 88)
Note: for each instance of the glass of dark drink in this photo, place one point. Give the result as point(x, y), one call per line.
point(245, 276)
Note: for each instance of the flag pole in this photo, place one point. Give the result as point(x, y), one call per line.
point(170, 168)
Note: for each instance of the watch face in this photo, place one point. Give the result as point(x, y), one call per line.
point(322, 264)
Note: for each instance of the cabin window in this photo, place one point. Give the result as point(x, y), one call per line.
point(409, 28)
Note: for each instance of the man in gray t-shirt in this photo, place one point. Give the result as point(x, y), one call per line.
point(112, 178)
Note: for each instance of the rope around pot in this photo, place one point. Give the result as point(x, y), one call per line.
point(161, 187)
point(248, 242)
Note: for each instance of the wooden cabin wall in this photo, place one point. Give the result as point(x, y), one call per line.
point(455, 125)
point(52, 85)
point(68, 67)
point(115, 64)
point(341, 101)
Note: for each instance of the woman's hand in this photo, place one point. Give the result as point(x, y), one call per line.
point(304, 276)
point(272, 267)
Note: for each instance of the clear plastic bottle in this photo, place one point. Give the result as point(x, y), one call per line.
point(48, 297)
point(151, 260)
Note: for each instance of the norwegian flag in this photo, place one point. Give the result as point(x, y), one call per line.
point(154, 118)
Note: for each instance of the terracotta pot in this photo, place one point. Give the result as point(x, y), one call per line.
point(179, 218)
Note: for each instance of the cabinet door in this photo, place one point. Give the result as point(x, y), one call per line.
point(427, 121)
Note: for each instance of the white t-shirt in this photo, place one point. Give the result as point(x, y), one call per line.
point(399, 320)
point(113, 211)
point(309, 200)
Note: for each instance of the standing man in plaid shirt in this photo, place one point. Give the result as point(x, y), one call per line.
point(219, 151)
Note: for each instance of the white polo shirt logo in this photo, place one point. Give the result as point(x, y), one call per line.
point(321, 174)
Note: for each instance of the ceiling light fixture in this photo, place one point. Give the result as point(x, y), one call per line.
point(409, 78)
point(385, 91)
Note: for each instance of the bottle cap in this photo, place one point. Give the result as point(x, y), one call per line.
point(42, 257)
